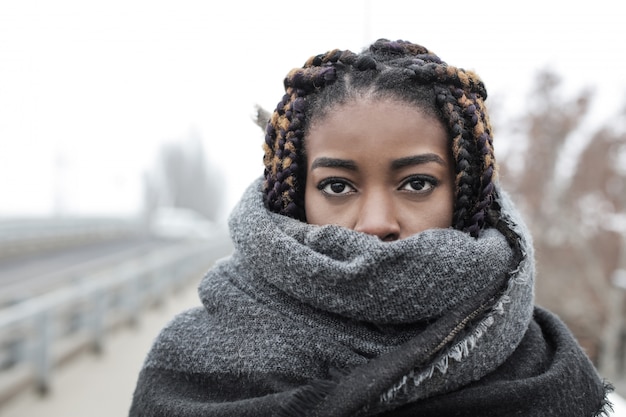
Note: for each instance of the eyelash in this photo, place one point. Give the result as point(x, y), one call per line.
point(333, 180)
point(432, 181)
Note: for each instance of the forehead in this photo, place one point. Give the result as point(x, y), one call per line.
point(379, 125)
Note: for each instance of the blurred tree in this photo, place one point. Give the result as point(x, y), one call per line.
point(182, 178)
point(574, 213)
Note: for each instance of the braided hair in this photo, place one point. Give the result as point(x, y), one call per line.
point(387, 69)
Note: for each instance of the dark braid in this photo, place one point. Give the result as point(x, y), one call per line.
point(387, 69)
point(285, 170)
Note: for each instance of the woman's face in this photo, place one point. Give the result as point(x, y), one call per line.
point(381, 167)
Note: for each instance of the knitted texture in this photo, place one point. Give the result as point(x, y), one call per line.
point(324, 321)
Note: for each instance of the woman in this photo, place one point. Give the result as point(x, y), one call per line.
point(378, 268)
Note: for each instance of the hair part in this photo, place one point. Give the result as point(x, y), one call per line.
point(396, 70)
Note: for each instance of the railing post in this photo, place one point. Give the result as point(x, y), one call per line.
point(99, 316)
point(42, 353)
point(132, 296)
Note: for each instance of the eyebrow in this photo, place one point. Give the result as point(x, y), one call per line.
point(324, 162)
point(396, 164)
point(417, 160)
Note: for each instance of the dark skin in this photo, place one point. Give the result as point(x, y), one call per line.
point(379, 166)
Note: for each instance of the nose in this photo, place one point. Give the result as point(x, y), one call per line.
point(377, 217)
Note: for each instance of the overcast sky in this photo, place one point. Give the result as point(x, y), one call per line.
point(90, 89)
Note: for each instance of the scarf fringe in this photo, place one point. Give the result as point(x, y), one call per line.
point(606, 408)
point(457, 352)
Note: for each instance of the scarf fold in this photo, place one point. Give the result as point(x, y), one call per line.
point(324, 321)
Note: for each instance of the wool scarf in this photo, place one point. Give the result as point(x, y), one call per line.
point(307, 320)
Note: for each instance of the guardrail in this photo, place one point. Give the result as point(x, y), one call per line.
point(29, 235)
point(39, 333)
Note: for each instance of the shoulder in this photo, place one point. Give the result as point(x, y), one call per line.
point(176, 342)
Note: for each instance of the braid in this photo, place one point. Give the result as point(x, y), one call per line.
point(395, 69)
point(484, 141)
point(463, 153)
point(483, 164)
point(461, 95)
point(472, 150)
point(285, 171)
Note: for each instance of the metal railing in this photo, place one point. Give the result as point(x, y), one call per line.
point(31, 235)
point(41, 332)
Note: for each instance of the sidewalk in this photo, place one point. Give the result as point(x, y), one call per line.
point(102, 385)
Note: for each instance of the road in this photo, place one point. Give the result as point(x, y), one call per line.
point(26, 276)
point(102, 385)
point(16, 268)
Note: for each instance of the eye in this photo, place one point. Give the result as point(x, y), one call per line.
point(419, 184)
point(334, 186)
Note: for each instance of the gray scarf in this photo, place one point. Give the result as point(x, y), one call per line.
point(298, 307)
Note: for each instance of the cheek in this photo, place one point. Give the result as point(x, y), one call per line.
point(314, 208)
point(442, 216)
point(436, 214)
point(321, 211)
point(444, 210)
point(414, 221)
